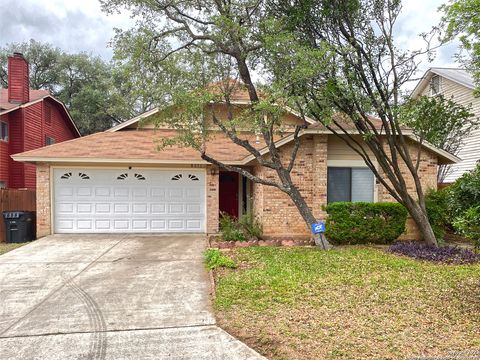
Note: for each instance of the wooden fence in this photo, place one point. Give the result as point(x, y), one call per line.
point(13, 199)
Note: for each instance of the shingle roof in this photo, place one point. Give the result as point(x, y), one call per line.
point(34, 95)
point(140, 145)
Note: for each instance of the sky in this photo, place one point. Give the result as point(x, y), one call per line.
point(80, 25)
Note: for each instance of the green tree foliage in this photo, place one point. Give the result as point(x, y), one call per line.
point(204, 51)
point(320, 57)
point(97, 93)
point(441, 122)
point(462, 19)
point(341, 57)
point(437, 203)
point(464, 205)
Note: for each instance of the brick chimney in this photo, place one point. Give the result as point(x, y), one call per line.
point(18, 84)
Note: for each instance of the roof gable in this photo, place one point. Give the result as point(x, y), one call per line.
point(457, 75)
point(35, 97)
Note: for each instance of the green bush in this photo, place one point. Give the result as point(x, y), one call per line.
point(214, 258)
point(251, 226)
point(230, 229)
point(468, 224)
point(465, 192)
point(437, 203)
point(362, 223)
point(245, 228)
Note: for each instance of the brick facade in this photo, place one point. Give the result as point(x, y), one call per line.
point(212, 199)
point(44, 225)
point(273, 208)
point(428, 177)
point(279, 215)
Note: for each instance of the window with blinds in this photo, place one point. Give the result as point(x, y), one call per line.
point(350, 184)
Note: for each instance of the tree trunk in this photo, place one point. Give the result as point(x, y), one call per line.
point(423, 224)
point(306, 213)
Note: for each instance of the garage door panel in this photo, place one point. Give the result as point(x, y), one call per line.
point(84, 191)
point(122, 225)
point(139, 224)
point(108, 200)
point(102, 224)
point(103, 208)
point(121, 208)
point(65, 208)
point(157, 194)
point(84, 208)
point(158, 225)
point(158, 208)
point(121, 193)
point(140, 208)
point(85, 224)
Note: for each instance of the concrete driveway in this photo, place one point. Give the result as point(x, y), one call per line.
point(110, 297)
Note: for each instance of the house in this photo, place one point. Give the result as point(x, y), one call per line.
point(29, 119)
point(457, 85)
point(118, 180)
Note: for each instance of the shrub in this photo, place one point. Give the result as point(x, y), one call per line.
point(246, 227)
point(445, 254)
point(437, 211)
point(361, 223)
point(230, 229)
point(214, 258)
point(468, 225)
point(251, 226)
point(465, 192)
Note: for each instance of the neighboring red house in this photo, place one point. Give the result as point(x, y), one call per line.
point(29, 119)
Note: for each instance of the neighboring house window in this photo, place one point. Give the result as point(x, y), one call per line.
point(3, 131)
point(350, 184)
point(48, 113)
point(435, 85)
point(49, 140)
point(2, 184)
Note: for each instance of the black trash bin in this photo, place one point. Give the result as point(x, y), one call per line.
point(19, 226)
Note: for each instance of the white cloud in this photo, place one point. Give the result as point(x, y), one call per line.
point(71, 25)
point(82, 26)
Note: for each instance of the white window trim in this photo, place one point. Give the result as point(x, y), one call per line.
point(356, 164)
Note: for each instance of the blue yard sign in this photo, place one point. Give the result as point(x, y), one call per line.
point(318, 228)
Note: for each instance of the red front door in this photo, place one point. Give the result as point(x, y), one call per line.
point(228, 193)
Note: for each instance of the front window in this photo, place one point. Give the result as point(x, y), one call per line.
point(350, 184)
point(3, 131)
point(435, 85)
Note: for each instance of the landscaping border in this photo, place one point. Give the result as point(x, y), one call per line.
point(215, 243)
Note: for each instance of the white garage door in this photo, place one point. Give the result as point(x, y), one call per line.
point(108, 200)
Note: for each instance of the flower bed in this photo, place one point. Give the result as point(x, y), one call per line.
point(215, 242)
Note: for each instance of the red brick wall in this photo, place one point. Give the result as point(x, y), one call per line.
point(18, 81)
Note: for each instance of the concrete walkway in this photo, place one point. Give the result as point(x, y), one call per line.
point(110, 297)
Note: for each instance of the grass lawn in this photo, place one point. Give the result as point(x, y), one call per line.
point(4, 247)
point(348, 303)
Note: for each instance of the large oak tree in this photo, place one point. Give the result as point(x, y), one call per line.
point(321, 57)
